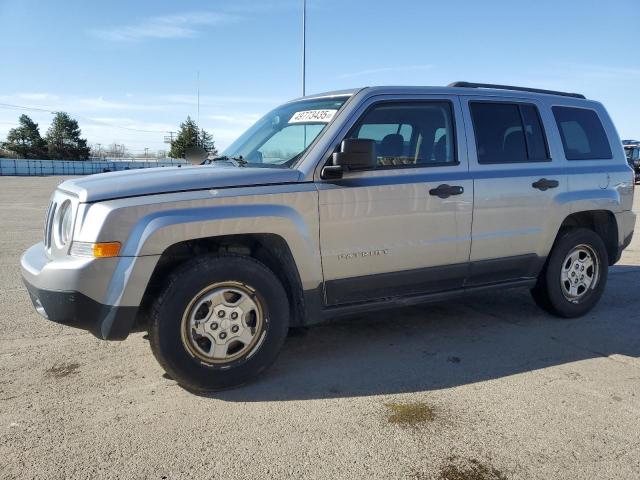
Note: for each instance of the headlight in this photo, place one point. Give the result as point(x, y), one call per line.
point(65, 223)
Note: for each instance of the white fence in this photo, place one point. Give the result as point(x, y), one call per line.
point(9, 166)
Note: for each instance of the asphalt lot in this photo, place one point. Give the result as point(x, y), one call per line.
point(501, 388)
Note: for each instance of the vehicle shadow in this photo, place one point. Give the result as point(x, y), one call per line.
point(444, 345)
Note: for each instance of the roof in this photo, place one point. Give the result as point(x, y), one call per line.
point(475, 89)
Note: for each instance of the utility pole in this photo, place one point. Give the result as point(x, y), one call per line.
point(304, 46)
point(198, 116)
point(169, 138)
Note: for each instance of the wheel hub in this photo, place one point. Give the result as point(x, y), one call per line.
point(222, 323)
point(580, 273)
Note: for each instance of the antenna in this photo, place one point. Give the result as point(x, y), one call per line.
point(304, 46)
point(198, 88)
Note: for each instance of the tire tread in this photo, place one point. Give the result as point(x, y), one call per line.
point(192, 267)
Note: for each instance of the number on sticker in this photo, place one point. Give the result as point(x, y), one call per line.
point(313, 116)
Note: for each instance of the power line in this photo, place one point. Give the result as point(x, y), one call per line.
point(21, 107)
point(11, 106)
point(123, 127)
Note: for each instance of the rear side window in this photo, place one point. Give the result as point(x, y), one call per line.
point(508, 133)
point(583, 136)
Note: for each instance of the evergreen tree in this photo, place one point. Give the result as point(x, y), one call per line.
point(206, 142)
point(63, 139)
point(191, 136)
point(25, 141)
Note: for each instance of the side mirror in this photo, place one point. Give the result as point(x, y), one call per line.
point(195, 155)
point(354, 154)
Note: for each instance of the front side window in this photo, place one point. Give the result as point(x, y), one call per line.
point(582, 133)
point(281, 137)
point(508, 133)
point(419, 134)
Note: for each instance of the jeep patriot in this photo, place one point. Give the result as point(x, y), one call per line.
point(336, 204)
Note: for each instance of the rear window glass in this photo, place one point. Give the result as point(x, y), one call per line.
point(582, 133)
point(534, 134)
point(508, 133)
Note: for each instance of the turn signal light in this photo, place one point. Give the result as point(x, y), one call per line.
point(96, 250)
point(106, 249)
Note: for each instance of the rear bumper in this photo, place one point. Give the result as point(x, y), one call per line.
point(77, 310)
point(626, 223)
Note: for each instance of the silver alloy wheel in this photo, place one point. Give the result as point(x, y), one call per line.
point(223, 323)
point(580, 273)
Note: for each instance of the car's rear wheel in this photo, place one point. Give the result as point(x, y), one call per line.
point(219, 322)
point(575, 275)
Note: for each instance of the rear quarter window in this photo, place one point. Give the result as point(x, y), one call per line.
point(582, 133)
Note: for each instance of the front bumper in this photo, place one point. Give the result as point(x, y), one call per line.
point(55, 290)
point(77, 310)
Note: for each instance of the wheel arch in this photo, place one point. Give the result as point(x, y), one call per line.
point(602, 222)
point(270, 249)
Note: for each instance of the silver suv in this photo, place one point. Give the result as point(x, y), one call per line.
point(335, 204)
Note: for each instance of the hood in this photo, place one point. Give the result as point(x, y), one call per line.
point(148, 181)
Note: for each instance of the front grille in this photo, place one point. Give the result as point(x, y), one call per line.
point(48, 223)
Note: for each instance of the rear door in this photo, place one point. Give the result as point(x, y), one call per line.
point(403, 227)
point(518, 187)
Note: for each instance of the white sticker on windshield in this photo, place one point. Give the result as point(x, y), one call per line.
point(313, 116)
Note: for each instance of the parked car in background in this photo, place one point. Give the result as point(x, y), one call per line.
point(632, 151)
point(336, 204)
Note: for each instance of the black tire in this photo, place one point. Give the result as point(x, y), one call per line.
point(183, 285)
point(548, 291)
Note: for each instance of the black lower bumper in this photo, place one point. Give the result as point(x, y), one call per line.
point(77, 310)
point(625, 243)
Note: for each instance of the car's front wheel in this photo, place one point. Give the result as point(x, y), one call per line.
point(575, 275)
point(219, 322)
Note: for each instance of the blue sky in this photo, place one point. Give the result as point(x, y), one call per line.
point(134, 64)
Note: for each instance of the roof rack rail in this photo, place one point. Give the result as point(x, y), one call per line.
point(510, 87)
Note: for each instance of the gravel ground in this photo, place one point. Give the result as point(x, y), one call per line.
point(488, 387)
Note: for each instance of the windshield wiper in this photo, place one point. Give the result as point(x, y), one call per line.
point(237, 161)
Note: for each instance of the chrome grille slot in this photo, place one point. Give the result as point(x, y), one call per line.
point(48, 226)
point(46, 222)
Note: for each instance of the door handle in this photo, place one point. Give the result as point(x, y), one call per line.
point(445, 191)
point(545, 184)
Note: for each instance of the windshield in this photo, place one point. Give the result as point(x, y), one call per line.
point(281, 137)
point(633, 153)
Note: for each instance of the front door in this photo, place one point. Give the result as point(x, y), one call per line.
point(403, 227)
